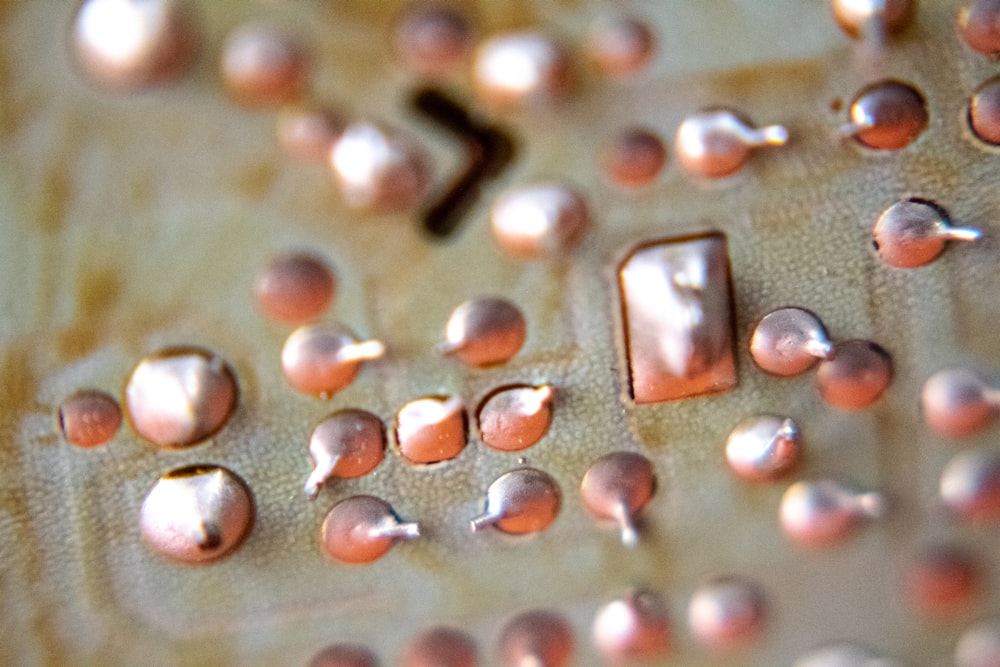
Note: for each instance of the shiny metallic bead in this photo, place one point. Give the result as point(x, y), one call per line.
point(957, 403)
point(888, 115)
point(823, 513)
point(379, 170)
point(485, 331)
point(857, 375)
point(441, 647)
point(431, 429)
point(362, 529)
point(913, 232)
point(520, 69)
point(984, 109)
point(634, 157)
point(979, 645)
point(844, 654)
point(522, 501)
point(514, 418)
point(321, 359)
point(617, 487)
point(539, 221)
point(128, 45)
point(677, 304)
point(620, 46)
point(295, 288)
point(181, 396)
point(197, 515)
point(970, 486)
point(308, 132)
point(715, 143)
point(347, 444)
point(261, 66)
point(942, 580)
point(764, 448)
point(636, 627)
point(344, 655)
point(88, 418)
point(536, 638)
point(789, 341)
point(979, 26)
point(872, 18)
point(432, 40)
point(727, 612)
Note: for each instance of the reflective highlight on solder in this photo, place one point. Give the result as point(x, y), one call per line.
point(620, 46)
point(431, 429)
point(522, 501)
point(728, 612)
point(520, 69)
point(379, 170)
point(764, 448)
point(872, 19)
point(512, 419)
point(485, 331)
point(321, 359)
point(984, 109)
point(913, 232)
point(307, 132)
point(887, 115)
point(617, 487)
point(970, 486)
point(261, 66)
point(347, 444)
point(362, 529)
point(718, 143)
point(539, 221)
point(635, 627)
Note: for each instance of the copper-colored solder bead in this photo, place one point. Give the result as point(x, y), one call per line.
point(844, 654)
point(431, 429)
point(432, 40)
point(970, 486)
point(617, 487)
point(957, 403)
point(521, 69)
point(876, 18)
point(913, 232)
point(89, 418)
point(979, 645)
point(636, 627)
point(789, 341)
point(536, 638)
point(321, 359)
point(308, 132)
point(857, 375)
point(362, 529)
point(295, 288)
point(181, 396)
point(634, 157)
point(539, 221)
point(441, 647)
point(379, 170)
point(717, 143)
point(984, 110)
point(942, 580)
point(515, 418)
point(727, 612)
point(823, 513)
point(979, 26)
point(344, 655)
point(485, 331)
point(133, 44)
point(764, 448)
point(522, 501)
point(620, 46)
point(263, 67)
point(887, 115)
point(347, 444)
point(198, 514)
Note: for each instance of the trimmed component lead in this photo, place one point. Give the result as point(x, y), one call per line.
point(957, 403)
point(717, 143)
point(789, 341)
point(677, 311)
point(361, 529)
point(347, 444)
point(431, 429)
point(913, 232)
point(636, 627)
point(970, 486)
point(762, 449)
point(519, 502)
point(888, 115)
point(617, 487)
point(321, 359)
point(727, 612)
point(515, 418)
point(823, 513)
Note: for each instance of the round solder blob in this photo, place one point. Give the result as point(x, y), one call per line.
point(514, 418)
point(620, 46)
point(181, 396)
point(823, 513)
point(344, 655)
point(89, 418)
point(539, 221)
point(789, 341)
point(970, 486)
point(717, 142)
point(857, 375)
point(521, 69)
point(888, 115)
point(979, 26)
point(485, 331)
point(636, 627)
point(984, 109)
point(347, 444)
point(874, 18)
point(321, 359)
point(379, 170)
point(295, 288)
point(197, 515)
point(262, 66)
point(128, 45)
point(728, 612)
point(431, 429)
point(957, 403)
point(764, 448)
point(617, 487)
point(913, 232)
point(942, 580)
point(362, 529)
point(536, 638)
point(308, 132)
point(519, 502)
point(441, 647)
point(634, 157)
point(979, 645)
point(432, 40)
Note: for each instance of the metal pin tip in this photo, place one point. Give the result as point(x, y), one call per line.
point(821, 349)
point(771, 135)
point(960, 233)
point(363, 351)
point(484, 520)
